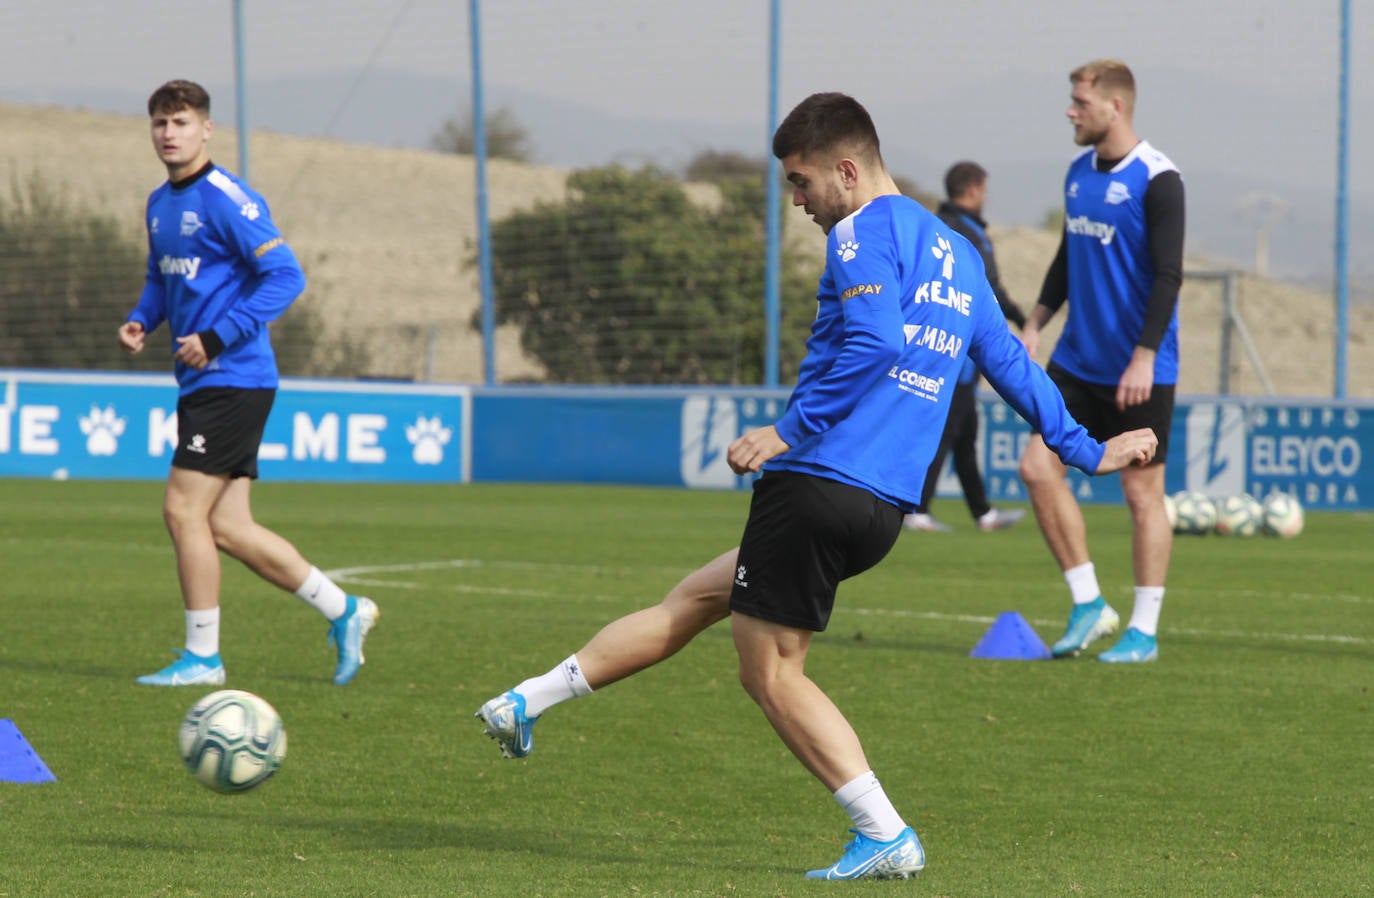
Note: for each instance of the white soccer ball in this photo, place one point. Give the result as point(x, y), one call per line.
point(1283, 515)
point(232, 741)
point(1171, 511)
point(1241, 515)
point(1194, 513)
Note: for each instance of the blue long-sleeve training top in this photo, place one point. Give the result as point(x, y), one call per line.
point(902, 302)
point(218, 267)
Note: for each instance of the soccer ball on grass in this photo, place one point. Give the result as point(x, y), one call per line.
point(232, 741)
point(1194, 513)
point(1283, 515)
point(1241, 515)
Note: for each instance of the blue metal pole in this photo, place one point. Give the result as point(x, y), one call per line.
point(479, 151)
point(240, 94)
point(1343, 206)
point(773, 264)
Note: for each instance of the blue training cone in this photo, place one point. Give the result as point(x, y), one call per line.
point(19, 763)
point(1010, 638)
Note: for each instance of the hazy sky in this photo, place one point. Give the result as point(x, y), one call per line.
point(707, 60)
point(702, 58)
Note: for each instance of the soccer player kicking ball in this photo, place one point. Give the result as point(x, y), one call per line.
point(218, 272)
point(902, 301)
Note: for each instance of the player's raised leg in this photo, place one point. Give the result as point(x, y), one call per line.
point(276, 560)
point(620, 649)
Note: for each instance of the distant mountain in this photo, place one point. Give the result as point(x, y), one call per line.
point(1017, 137)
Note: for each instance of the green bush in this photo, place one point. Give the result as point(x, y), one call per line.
point(70, 276)
point(631, 282)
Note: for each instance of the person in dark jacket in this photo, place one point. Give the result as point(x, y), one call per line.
point(966, 186)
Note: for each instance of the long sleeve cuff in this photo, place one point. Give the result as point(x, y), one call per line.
point(212, 342)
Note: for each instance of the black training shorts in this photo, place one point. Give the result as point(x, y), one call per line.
point(804, 535)
point(1094, 406)
point(219, 430)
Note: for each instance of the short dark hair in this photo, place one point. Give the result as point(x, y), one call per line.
point(825, 122)
point(175, 96)
point(963, 175)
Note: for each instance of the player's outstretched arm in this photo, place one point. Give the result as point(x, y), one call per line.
point(1134, 447)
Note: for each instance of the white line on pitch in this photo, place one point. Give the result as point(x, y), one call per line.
point(356, 575)
point(1185, 631)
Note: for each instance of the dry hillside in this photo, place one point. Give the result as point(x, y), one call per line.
point(383, 234)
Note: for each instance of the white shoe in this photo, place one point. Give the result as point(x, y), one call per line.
point(926, 522)
point(997, 519)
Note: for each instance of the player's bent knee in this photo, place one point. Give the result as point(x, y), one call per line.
point(1037, 471)
point(178, 515)
point(1143, 500)
point(230, 537)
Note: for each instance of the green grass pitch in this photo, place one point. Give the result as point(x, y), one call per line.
point(1239, 764)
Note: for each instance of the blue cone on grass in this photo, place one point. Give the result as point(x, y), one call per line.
point(1010, 638)
point(19, 763)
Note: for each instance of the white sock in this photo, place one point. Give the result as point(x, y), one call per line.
point(558, 685)
point(1148, 602)
point(323, 594)
point(202, 632)
point(1082, 582)
point(864, 800)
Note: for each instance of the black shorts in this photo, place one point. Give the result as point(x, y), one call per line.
point(804, 535)
point(1094, 406)
point(219, 430)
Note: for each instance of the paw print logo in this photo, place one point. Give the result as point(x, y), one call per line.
point(102, 428)
point(942, 250)
point(848, 250)
point(429, 436)
point(249, 211)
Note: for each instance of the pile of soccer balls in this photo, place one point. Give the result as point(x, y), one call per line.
point(1193, 513)
point(232, 740)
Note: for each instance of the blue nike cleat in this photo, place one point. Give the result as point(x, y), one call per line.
point(506, 722)
point(1088, 622)
point(188, 670)
point(863, 858)
point(1133, 647)
point(347, 633)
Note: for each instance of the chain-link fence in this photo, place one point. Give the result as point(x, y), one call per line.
point(629, 244)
